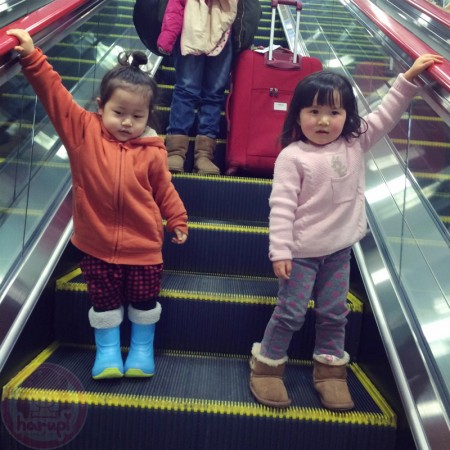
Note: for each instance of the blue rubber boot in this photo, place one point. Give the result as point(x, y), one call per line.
point(108, 358)
point(140, 362)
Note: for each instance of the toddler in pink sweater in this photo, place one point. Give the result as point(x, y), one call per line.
point(317, 214)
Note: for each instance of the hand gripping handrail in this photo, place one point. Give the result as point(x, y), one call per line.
point(38, 21)
point(409, 43)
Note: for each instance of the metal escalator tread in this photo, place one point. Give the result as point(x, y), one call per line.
point(189, 391)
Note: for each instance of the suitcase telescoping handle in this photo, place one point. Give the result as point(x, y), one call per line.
point(298, 6)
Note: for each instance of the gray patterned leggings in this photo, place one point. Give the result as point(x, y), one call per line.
point(326, 279)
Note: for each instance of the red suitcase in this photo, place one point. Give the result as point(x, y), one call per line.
point(261, 89)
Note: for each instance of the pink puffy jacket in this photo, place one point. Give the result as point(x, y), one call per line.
point(171, 26)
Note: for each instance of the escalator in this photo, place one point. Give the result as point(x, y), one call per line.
point(218, 290)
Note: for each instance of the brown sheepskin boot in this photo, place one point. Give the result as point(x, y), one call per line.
point(266, 379)
point(177, 147)
point(330, 381)
point(204, 155)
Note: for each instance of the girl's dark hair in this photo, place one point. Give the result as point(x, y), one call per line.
point(324, 85)
point(128, 75)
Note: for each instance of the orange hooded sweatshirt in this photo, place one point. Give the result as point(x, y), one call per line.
point(122, 191)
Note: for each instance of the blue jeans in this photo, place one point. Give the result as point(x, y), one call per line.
point(326, 279)
point(200, 83)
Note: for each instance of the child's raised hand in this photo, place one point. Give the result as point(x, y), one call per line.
point(26, 45)
point(180, 237)
point(422, 63)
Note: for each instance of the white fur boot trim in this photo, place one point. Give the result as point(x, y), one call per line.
point(331, 360)
point(256, 352)
point(105, 319)
point(144, 317)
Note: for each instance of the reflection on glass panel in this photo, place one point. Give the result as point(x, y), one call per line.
point(34, 168)
point(422, 140)
point(15, 132)
point(408, 177)
point(11, 10)
point(423, 143)
point(428, 157)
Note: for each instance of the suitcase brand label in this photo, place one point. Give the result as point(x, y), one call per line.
point(280, 106)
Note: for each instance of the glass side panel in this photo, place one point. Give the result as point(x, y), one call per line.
point(33, 164)
point(11, 10)
point(407, 176)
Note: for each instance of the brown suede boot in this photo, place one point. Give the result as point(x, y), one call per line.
point(330, 381)
point(177, 147)
point(266, 380)
point(204, 155)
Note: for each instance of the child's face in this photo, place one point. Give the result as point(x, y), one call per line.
point(125, 114)
point(322, 124)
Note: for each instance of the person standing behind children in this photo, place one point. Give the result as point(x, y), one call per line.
point(317, 213)
point(202, 74)
point(122, 190)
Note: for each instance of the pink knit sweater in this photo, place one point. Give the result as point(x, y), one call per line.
point(317, 200)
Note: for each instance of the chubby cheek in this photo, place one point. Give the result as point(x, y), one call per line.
point(141, 128)
point(338, 127)
point(307, 125)
point(110, 123)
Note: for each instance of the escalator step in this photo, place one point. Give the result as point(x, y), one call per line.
point(195, 401)
point(206, 313)
point(238, 199)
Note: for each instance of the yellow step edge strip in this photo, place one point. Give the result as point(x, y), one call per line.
point(223, 276)
point(374, 394)
point(12, 391)
point(435, 144)
point(114, 16)
point(198, 406)
point(116, 25)
point(66, 280)
point(224, 179)
point(372, 56)
point(29, 369)
point(423, 118)
point(355, 304)
point(369, 387)
point(218, 298)
point(77, 272)
point(23, 212)
point(54, 164)
point(73, 60)
point(65, 283)
point(228, 228)
point(432, 176)
point(329, 29)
